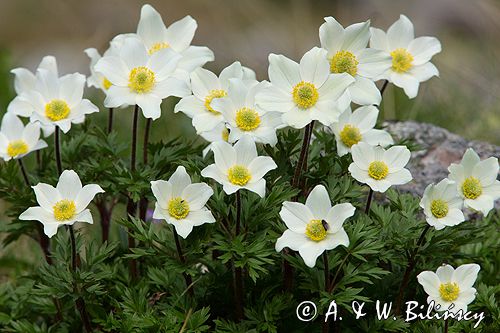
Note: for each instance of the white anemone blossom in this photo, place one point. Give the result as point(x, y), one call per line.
point(380, 168)
point(450, 289)
point(410, 56)
point(243, 116)
point(358, 126)
point(476, 181)
point(314, 227)
point(96, 79)
point(138, 78)
point(182, 203)
point(348, 53)
point(304, 92)
point(16, 140)
point(219, 133)
point(206, 87)
point(64, 204)
point(238, 167)
point(442, 205)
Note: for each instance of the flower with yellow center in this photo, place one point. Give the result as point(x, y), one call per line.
point(182, 203)
point(476, 181)
point(64, 204)
point(314, 227)
point(16, 140)
point(141, 80)
point(380, 168)
point(358, 126)
point(348, 52)
point(238, 167)
point(57, 110)
point(450, 289)
point(96, 79)
point(215, 93)
point(304, 92)
point(247, 119)
point(442, 205)
point(410, 56)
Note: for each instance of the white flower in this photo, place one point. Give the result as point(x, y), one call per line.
point(140, 79)
point(476, 181)
point(16, 140)
point(181, 203)
point(380, 168)
point(303, 92)
point(55, 101)
point(243, 117)
point(219, 133)
point(442, 205)
point(348, 53)
point(358, 126)
point(450, 286)
point(25, 80)
point(97, 80)
point(206, 87)
point(237, 167)
point(314, 227)
point(64, 204)
point(410, 56)
point(178, 36)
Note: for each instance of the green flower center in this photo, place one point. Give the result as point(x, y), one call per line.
point(178, 208)
point(64, 210)
point(472, 188)
point(57, 109)
point(316, 230)
point(239, 175)
point(439, 208)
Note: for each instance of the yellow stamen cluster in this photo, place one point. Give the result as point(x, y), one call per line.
point(305, 95)
point(106, 83)
point(239, 175)
point(344, 62)
point(378, 170)
point(472, 188)
point(449, 291)
point(316, 230)
point(178, 208)
point(57, 109)
point(141, 80)
point(216, 93)
point(439, 208)
point(16, 148)
point(402, 60)
point(350, 135)
point(64, 210)
point(247, 119)
point(157, 47)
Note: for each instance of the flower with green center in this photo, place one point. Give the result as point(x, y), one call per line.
point(402, 60)
point(450, 289)
point(247, 119)
point(141, 80)
point(182, 203)
point(314, 227)
point(358, 126)
point(178, 208)
point(64, 204)
point(215, 93)
point(238, 167)
point(344, 62)
point(304, 92)
point(57, 110)
point(442, 205)
point(476, 181)
point(16, 140)
point(380, 168)
point(410, 56)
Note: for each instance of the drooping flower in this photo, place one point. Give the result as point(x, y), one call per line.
point(410, 56)
point(449, 286)
point(314, 227)
point(16, 140)
point(243, 116)
point(442, 205)
point(348, 53)
point(304, 92)
point(181, 203)
point(238, 167)
point(476, 181)
point(64, 204)
point(138, 78)
point(358, 126)
point(380, 168)
point(206, 87)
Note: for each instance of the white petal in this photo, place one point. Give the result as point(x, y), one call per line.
point(258, 187)
point(162, 190)
point(445, 273)
point(20, 107)
point(180, 34)
point(396, 157)
point(224, 155)
point(283, 72)
point(246, 151)
point(69, 185)
point(203, 81)
point(71, 88)
point(290, 239)
point(337, 215)
point(378, 39)
point(194, 57)
point(362, 155)
point(150, 105)
point(230, 72)
point(364, 92)
point(36, 214)
point(199, 217)
point(207, 121)
point(356, 36)
point(297, 118)
point(179, 180)
point(373, 63)
point(84, 216)
point(486, 171)
point(151, 27)
point(119, 96)
point(318, 201)
point(430, 281)
point(86, 195)
point(423, 49)
point(331, 35)
point(310, 252)
point(197, 195)
point(163, 63)
point(424, 72)
point(296, 216)
point(314, 66)
point(469, 160)
point(335, 86)
point(400, 34)
point(260, 166)
point(406, 81)
point(171, 87)
point(335, 239)
point(24, 80)
point(114, 69)
point(376, 137)
point(12, 127)
point(466, 275)
point(399, 177)
point(133, 53)
point(190, 106)
point(181, 227)
point(483, 204)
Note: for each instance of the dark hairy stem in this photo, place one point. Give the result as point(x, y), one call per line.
point(446, 325)
point(110, 120)
point(23, 172)
point(384, 86)
point(238, 273)
point(326, 325)
point(187, 277)
point(58, 150)
point(143, 203)
point(131, 206)
point(369, 201)
point(409, 268)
